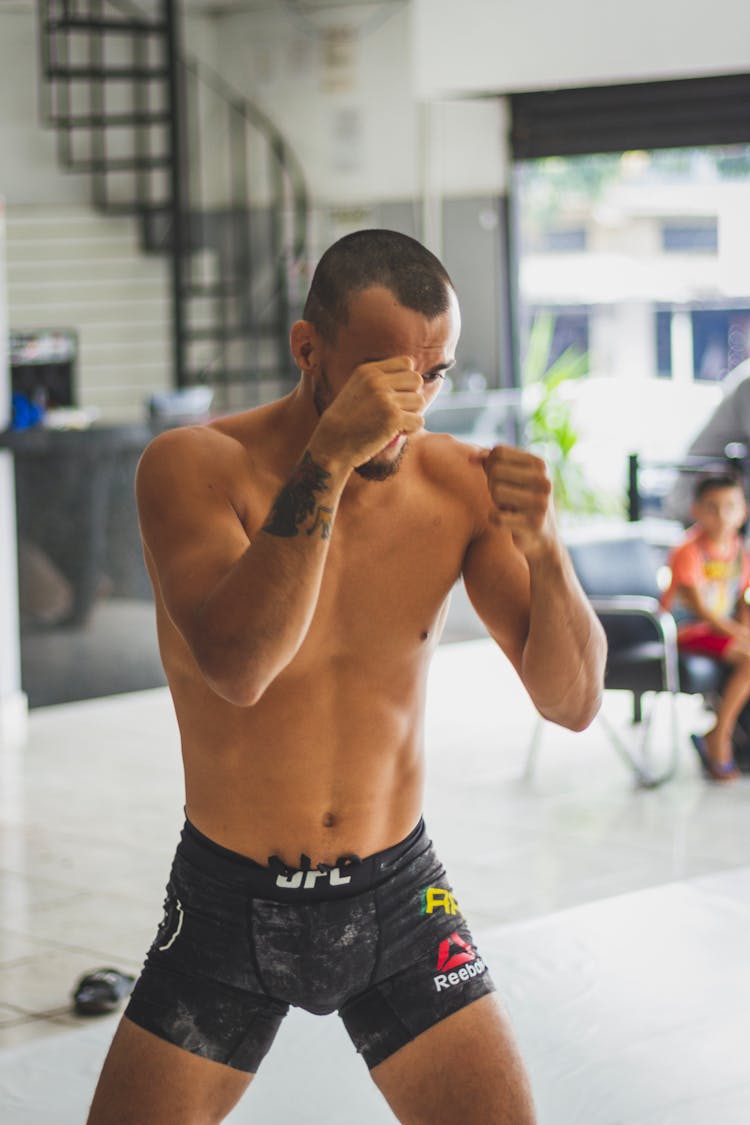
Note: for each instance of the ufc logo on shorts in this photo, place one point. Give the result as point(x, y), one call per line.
point(306, 880)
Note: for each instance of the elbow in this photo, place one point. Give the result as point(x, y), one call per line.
point(242, 687)
point(575, 714)
point(238, 694)
point(239, 665)
point(240, 682)
point(581, 721)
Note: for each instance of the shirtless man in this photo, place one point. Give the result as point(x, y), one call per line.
point(302, 555)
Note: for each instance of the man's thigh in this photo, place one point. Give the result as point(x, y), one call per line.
point(148, 1081)
point(466, 1068)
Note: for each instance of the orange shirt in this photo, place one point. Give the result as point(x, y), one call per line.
point(720, 576)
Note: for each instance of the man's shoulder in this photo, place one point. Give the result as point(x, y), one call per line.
point(455, 466)
point(188, 443)
point(447, 454)
point(186, 459)
point(224, 436)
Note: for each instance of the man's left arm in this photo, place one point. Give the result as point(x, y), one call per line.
point(522, 584)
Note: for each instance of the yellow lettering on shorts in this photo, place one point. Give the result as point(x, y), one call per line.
point(437, 898)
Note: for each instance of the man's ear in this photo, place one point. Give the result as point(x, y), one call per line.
point(304, 342)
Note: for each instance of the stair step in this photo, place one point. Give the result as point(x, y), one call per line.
point(119, 208)
point(102, 74)
point(84, 23)
point(120, 164)
point(105, 121)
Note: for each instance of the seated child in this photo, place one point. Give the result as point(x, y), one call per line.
point(710, 574)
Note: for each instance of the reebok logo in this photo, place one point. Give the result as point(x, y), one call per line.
point(437, 898)
point(306, 880)
point(457, 963)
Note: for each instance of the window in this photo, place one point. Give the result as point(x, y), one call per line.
point(690, 237)
point(721, 340)
point(616, 290)
point(564, 241)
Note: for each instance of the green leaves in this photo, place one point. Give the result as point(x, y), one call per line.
point(550, 430)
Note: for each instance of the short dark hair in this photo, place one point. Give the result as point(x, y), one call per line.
point(405, 267)
point(716, 480)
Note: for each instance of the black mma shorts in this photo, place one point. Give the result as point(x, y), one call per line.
point(380, 940)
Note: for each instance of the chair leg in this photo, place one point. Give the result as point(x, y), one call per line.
point(533, 750)
point(637, 707)
point(638, 758)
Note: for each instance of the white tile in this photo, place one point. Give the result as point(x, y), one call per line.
point(10, 1016)
point(85, 848)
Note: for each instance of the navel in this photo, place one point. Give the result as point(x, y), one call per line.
point(329, 820)
point(423, 635)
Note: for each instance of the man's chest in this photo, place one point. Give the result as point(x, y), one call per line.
point(388, 576)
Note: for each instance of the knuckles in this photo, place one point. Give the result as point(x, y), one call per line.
point(389, 377)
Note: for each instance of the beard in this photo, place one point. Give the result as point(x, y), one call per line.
point(322, 393)
point(373, 469)
point(382, 470)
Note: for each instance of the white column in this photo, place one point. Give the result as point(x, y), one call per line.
point(633, 353)
point(681, 333)
point(430, 139)
point(13, 703)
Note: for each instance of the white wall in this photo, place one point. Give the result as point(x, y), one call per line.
point(73, 267)
point(68, 265)
point(351, 115)
point(28, 164)
point(480, 46)
point(12, 701)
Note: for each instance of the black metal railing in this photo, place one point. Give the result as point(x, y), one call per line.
point(228, 202)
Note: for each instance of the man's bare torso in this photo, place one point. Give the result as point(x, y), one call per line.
point(329, 760)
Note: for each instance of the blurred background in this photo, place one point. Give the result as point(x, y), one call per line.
point(172, 171)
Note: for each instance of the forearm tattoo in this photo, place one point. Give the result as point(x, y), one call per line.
point(297, 502)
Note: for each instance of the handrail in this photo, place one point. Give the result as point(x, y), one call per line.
point(280, 148)
point(288, 195)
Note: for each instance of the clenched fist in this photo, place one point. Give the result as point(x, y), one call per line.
point(378, 402)
point(521, 493)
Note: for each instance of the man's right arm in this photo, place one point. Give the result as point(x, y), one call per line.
point(243, 607)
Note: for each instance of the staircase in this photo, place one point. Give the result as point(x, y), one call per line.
point(209, 179)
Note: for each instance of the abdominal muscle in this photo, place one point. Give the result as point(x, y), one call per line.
point(326, 770)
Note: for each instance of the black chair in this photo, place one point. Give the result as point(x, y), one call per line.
point(619, 575)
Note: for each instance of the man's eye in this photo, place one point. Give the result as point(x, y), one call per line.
point(432, 376)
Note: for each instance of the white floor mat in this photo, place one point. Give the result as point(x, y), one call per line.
point(633, 1010)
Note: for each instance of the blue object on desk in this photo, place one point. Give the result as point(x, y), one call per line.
point(25, 413)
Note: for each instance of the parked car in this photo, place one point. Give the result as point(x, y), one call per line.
point(482, 417)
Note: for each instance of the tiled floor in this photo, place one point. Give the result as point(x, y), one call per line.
point(90, 809)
